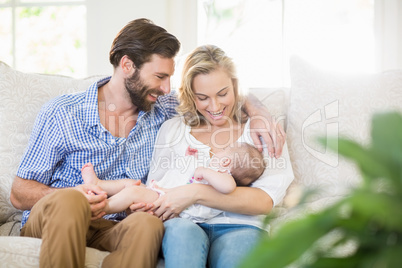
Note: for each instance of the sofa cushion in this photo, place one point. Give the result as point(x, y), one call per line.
point(333, 104)
point(22, 95)
point(24, 252)
point(276, 101)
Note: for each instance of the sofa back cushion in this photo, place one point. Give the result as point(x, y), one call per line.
point(333, 104)
point(276, 100)
point(22, 95)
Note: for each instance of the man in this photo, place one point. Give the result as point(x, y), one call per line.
point(112, 125)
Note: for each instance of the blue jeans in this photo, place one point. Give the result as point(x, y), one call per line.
point(186, 244)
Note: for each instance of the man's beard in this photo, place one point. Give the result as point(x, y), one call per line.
point(139, 92)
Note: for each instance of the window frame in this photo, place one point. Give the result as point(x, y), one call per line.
point(14, 4)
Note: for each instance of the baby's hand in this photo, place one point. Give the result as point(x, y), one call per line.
point(199, 173)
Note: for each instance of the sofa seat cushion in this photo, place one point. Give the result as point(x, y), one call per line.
point(18, 251)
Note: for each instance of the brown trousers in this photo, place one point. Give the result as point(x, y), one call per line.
point(63, 220)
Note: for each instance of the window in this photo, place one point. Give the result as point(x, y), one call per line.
point(44, 36)
point(261, 35)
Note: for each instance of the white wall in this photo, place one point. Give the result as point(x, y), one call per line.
point(106, 18)
point(388, 14)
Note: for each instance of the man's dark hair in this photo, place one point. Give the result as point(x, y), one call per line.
point(141, 38)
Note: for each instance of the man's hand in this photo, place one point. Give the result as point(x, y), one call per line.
point(96, 198)
point(263, 125)
point(270, 131)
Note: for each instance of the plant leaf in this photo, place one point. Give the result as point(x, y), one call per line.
point(386, 136)
point(292, 240)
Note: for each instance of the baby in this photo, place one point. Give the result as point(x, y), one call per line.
point(237, 165)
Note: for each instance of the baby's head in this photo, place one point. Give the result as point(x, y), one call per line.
point(244, 161)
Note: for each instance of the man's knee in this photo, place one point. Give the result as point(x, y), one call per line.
point(144, 221)
point(64, 207)
point(69, 199)
point(66, 204)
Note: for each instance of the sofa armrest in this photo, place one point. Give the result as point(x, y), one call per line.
point(11, 228)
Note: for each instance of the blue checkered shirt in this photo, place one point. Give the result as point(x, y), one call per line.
point(68, 134)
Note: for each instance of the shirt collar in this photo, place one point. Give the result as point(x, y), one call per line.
point(91, 102)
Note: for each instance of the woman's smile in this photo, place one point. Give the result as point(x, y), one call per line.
point(217, 115)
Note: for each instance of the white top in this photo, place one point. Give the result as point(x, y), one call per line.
point(169, 153)
point(181, 176)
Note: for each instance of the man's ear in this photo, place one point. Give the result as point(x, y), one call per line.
point(225, 161)
point(127, 65)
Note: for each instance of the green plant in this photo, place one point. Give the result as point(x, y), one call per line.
point(370, 217)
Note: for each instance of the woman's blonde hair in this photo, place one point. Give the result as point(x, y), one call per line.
point(204, 60)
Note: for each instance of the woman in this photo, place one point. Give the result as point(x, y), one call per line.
point(211, 119)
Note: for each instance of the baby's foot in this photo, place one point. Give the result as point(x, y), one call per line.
point(88, 174)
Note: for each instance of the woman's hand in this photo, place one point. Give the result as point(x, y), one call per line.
point(174, 201)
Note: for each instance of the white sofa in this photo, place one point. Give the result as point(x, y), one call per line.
point(318, 103)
